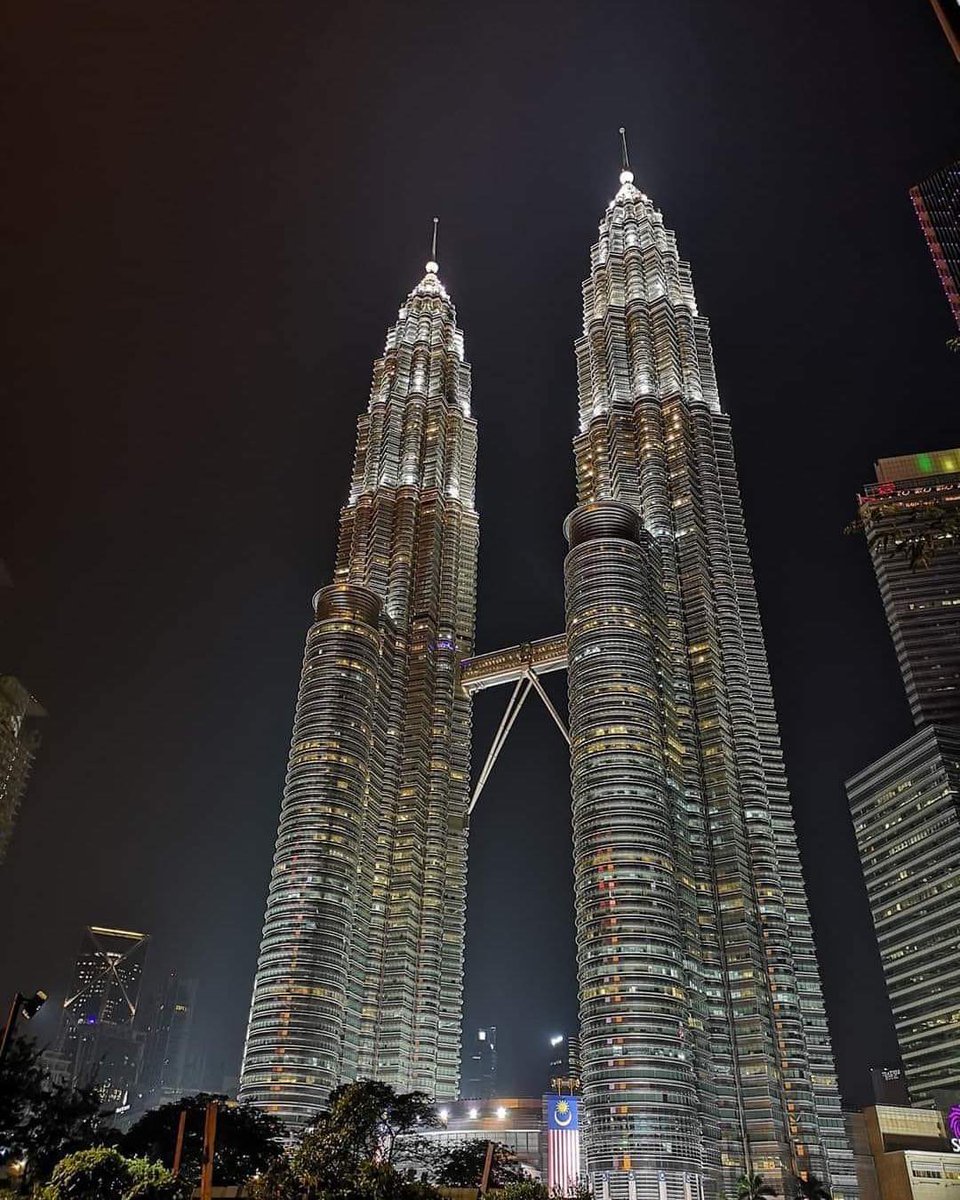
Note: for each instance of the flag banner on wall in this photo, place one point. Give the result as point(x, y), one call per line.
point(563, 1144)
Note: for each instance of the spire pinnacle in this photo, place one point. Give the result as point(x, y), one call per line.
point(432, 267)
point(626, 175)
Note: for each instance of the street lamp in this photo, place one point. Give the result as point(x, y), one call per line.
point(25, 1006)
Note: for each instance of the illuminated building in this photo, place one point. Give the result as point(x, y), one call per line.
point(937, 204)
point(360, 971)
point(904, 1153)
point(99, 1038)
point(907, 825)
point(704, 1044)
point(913, 495)
point(517, 1124)
point(19, 741)
point(565, 1063)
point(481, 1082)
point(904, 805)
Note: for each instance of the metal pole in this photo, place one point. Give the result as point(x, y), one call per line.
point(209, 1145)
point(520, 693)
point(178, 1149)
point(11, 1024)
point(548, 703)
point(487, 1164)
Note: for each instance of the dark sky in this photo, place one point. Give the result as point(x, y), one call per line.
point(211, 214)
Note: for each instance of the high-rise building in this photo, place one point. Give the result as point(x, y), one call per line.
point(913, 499)
point(481, 1080)
point(167, 1021)
point(937, 203)
point(565, 1063)
point(905, 805)
point(99, 1037)
point(704, 1043)
point(19, 741)
point(361, 961)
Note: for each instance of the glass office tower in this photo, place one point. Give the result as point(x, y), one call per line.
point(361, 960)
point(937, 203)
point(704, 1044)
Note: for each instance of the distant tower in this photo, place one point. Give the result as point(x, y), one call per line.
point(167, 1023)
point(361, 961)
point(98, 1034)
point(19, 741)
point(704, 1043)
point(937, 203)
point(482, 1081)
point(906, 805)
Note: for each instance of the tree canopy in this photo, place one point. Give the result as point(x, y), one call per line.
point(248, 1139)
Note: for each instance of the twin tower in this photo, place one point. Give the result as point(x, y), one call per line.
point(705, 1050)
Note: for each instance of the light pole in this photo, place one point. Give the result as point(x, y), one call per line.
point(25, 1006)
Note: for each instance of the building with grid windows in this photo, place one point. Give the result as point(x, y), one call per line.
point(937, 204)
point(360, 971)
point(905, 805)
point(703, 1041)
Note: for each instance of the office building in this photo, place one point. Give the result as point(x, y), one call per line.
point(565, 1063)
point(518, 1124)
point(936, 201)
point(361, 960)
point(903, 1153)
point(889, 1087)
point(481, 1080)
point(913, 534)
point(99, 1037)
point(704, 1044)
point(19, 742)
point(167, 1022)
point(907, 825)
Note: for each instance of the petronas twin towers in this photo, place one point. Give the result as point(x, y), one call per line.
point(704, 1041)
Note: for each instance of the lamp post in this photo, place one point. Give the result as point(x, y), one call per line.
point(25, 1006)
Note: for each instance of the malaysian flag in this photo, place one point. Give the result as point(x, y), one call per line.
point(563, 1145)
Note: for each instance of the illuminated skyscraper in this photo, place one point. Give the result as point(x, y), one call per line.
point(704, 1044)
point(19, 741)
point(905, 805)
point(937, 203)
point(361, 961)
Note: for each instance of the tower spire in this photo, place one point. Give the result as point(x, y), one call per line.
point(626, 175)
point(432, 267)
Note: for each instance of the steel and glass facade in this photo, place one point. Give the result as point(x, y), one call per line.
point(915, 495)
point(19, 742)
point(937, 204)
point(906, 816)
point(704, 1044)
point(361, 961)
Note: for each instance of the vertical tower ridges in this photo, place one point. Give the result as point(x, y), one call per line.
point(653, 437)
point(361, 962)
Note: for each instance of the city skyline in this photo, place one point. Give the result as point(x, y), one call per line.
point(167, 634)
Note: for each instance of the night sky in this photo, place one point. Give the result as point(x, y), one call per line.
point(211, 213)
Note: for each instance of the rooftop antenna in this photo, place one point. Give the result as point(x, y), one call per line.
point(626, 175)
point(432, 264)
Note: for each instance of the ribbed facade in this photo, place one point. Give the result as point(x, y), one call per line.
point(906, 816)
point(704, 1042)
point(361, 962)
point(937, 204)
point(921, 602)
point(19, 742)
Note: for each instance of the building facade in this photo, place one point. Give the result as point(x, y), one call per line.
point(167, 1022)
point(937, 204)
point(481, 1081)
point(19, 742)
point(906, 817)
point(907, 517)
point(361, 960)
point(100, 1041)
point(704, 1044)
point(905, 805)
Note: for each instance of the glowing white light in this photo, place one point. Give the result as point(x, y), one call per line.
point(501, 1112)
point(556, 1039)
point(444, 1114)
point(432, 268)
point(626, 177)
point(472, 1114)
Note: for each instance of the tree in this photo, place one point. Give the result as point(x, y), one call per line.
point(248, 1139)
point(41, 1121)
point(98, 1174)
point(462, 1166)
point(813, 1188)
point(360, 1129)
point(152, 1181)
point(753, 1187)
point(278, 1182)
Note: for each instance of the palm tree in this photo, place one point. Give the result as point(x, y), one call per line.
point(752, 1187)
point(813, 1188)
